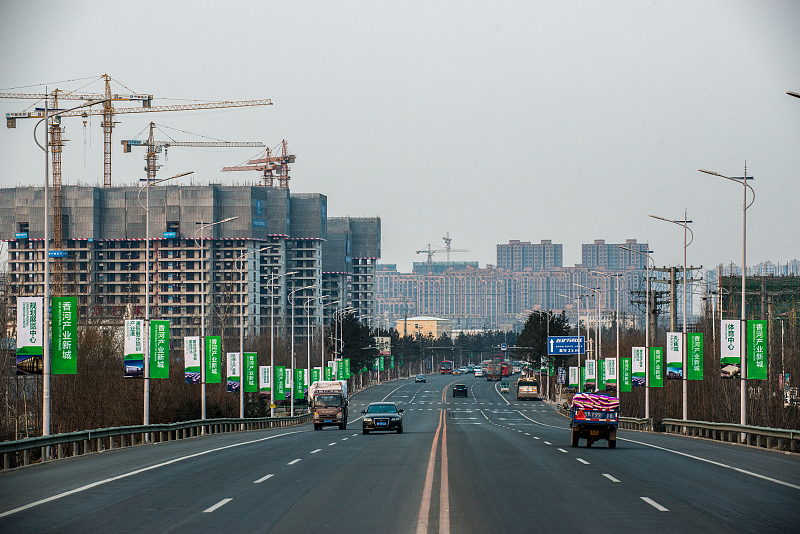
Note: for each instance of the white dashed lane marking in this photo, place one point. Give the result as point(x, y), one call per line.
point(223, 502)
point(609, 477)
point(294, 461)
point(654, 504)
point(262, 479)
point(581, 460)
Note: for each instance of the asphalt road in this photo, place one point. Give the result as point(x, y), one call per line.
point(480, 464)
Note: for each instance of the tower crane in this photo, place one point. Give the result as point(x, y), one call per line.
point(269, 164)
point(154, 147)
point(57, 142)
point(431, 251)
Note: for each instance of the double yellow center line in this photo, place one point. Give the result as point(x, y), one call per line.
point(444, 491)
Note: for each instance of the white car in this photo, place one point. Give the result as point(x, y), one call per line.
point(464, 370)
point(478, 372)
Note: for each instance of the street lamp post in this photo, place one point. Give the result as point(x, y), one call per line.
point(201, 230)
point(646, 327)
point(291, 390)
point(46, 300)
point(684, 342)
point(616, 363)
point(322, 341)
point(241, 324)
point(742, 333)
point(272, 341)
point(578, 324)
point(146, 347)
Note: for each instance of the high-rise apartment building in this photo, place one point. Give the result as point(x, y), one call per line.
point(523, 255)
point(610, 256)
point(191, 266)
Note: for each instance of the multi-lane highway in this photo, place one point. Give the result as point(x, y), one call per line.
point(487, 463)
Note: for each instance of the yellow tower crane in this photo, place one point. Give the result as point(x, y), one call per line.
point(57, 141)
point(272, 167)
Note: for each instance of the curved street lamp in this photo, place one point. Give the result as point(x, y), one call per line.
point(646, 328)
point(201, 243)
point(742, 349)
point(272, 340)
point(684, 341)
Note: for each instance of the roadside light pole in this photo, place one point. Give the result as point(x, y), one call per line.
point(291, 303)
point(322, 341)
point(616, 363)
point(242, 293)
point(201, 230)
point(46, 300)
point(742, 331)
point(684, 341)
point(146, 347)
point(646, 327)
point(578, 324)
point(272, 341)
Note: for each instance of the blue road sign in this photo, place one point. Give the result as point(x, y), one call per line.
point(557, 346)
point(503, 346)
point(562, 375)
point(170, 235)
point(58, 253)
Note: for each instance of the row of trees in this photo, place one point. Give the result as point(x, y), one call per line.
point(98, 396)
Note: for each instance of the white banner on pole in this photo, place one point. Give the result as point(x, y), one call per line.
point(191, 358)
point(611, 370)
point(264, 378)
point(674, 355)
point(591, 370)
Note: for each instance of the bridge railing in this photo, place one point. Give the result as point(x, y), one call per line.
point(25, 451)
point(755, 436)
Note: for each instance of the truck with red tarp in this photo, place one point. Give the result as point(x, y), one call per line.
point(594, 417)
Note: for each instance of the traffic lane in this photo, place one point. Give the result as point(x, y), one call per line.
point(155, 497)
point(28, 484)
point(378, 489)
point(681, 481)
point(508, 468)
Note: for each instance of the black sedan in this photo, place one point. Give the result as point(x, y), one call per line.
point(382, 416)
point(420, 378)
point(460, 389)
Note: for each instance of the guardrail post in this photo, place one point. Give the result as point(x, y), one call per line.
point(769, 442)
point(60, 451)
point(6, 461)
point(26, 457)
point(99, 444)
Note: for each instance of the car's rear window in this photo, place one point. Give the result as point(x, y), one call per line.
point(382, 408)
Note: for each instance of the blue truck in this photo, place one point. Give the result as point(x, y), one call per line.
point(594, 417)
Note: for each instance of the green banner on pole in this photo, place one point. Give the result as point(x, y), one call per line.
point(299, 383)
point(159, 349)
point(65, 336)
point(328, 373)
point(213, 360)
point(656, 367)
point(347, 374)
point(625, 377)
point(583, 377)
point(315, 374)
point(391, 363)
point(250, 372)
point(340, 370)
point(280, 383)
point(757, 350)
point(380, 363)
point(695, 356)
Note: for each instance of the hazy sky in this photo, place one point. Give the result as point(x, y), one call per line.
point(569, 121)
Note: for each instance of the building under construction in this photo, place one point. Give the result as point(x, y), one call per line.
point(242, 262)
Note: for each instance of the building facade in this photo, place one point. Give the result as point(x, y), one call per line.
point(223, 270)
point(523, 255)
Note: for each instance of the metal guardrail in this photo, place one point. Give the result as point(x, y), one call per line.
point(18, 453)
point(754, 436)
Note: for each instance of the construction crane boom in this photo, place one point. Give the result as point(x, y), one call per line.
point(153, 147)
point(269, 164)
point(431, 251)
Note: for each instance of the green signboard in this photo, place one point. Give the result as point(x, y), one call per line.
point(340, 370)
point(213, 360)
point(159, 349)
point(625, 374)
point(250, 372)
point(757, 350)
point(695, 356)
point(299, 383)
point(391, 363)
point(380, 363)
point(315, 372)
point(583, 377)
point(656, 367)
point(65, 336)
point(280, 383)
point(328, 373)
point(347, 374)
